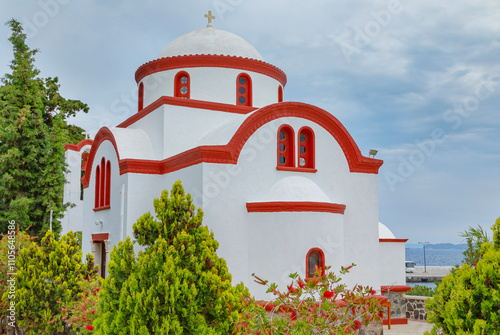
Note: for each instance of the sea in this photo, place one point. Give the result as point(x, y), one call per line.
point(435, 257)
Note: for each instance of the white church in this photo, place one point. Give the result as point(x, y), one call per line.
point(282, 184)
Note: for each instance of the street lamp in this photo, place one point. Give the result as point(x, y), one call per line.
point(425, 264)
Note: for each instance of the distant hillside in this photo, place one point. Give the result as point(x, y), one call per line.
point(447, 246)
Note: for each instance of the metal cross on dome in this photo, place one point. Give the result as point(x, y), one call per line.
point(210, 17)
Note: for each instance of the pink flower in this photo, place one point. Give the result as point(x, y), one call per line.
point(93, 312)
point(301, 284)
point(328, 294)
point(89, 327)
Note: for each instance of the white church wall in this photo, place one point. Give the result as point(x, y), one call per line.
point(110, 218)
point(214, 84)
point(280, 242)
point(361, 230)
point(192, 127)
point(154, 123)
point(256, 173)
point(73, 216)
point(392, 263)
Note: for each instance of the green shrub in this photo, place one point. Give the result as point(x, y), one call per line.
point(49, 277)
point(177, 285)
point(468, 299)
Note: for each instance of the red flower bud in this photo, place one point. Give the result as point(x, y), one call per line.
point(293, 316)
point(328, 294)
point(372, 292)
point(357, 324)
point(89, 327)
point(301, 284)
point(93, 312)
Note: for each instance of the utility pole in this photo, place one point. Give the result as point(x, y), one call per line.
point(425, 263)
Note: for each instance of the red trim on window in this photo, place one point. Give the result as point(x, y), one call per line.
point(395, 288)
point(285, 149)
point(306, 148)
point(392, 240)
point(85, 157)
point(244, 90)
point(230, 62)
point(229, 153)
point(179, 85)
point(97, 185)
point(295, 206)
point(295, 169)
point(100, 237)
point(78, 146)
point(280, 93)
point(108, 184)
point(102, 208)
point(140, 99)
point(321, 259)
point(102, 185)
point(174, 101)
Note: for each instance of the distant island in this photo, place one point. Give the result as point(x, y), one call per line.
point(447, 246)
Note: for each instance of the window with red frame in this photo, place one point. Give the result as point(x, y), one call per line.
point(306, 148)
point(315, 259)
point(182, 85)
point(97, 186)
point(280, 93)
point(244, 90)
point(286, 150)
point(103, 185)
point(140, 104)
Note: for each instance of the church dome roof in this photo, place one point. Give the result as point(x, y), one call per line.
point(210, 41)
point(384, 232)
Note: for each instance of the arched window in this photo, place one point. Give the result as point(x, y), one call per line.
point(182, 85)
point(286, 157)
point(306, 148)
point(140, 104)
point(315, 259)
point(102, 185)
point(244, 90)
point(108, 183)
point(280, 93)
point(97, 184)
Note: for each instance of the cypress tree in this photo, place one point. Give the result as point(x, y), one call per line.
point(32, 138)
point(177, 285)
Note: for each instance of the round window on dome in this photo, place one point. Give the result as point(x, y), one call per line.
point(242, 90)
point(242, 81)
point(184, 89)
point(302, 161)
point(282, 135)
point(302, 137)
point(302, 149)
point(282, 147)
point(282, 159)
point(242, 100)
point(184, 80)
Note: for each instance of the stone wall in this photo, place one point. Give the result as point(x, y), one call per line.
point(398, 304)
point(415, 307)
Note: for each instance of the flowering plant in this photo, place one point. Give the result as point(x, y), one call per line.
point(80, 314)
point(317, 305)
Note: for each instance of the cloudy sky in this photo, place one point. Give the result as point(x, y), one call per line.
point(417, 80)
